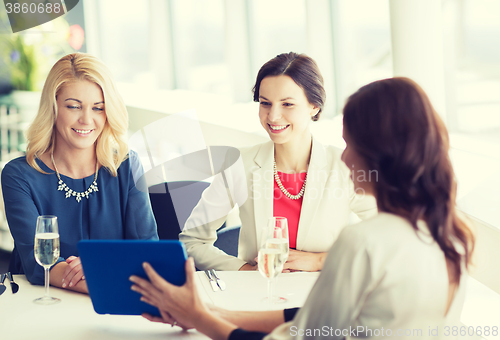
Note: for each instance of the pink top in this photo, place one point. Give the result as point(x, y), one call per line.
point(286, 207)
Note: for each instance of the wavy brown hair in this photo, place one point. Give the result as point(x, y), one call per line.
point(395, 129)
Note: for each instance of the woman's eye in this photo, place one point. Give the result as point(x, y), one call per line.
point(98, 109)
point(287, 104)
point(265, 103)
point(72, 107)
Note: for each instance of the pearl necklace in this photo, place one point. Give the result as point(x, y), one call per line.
point(69, 192)
point(282, 188)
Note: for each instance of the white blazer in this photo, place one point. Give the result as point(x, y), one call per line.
point(381, 279)
point(327, 203)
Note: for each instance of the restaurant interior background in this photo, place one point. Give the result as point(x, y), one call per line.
point(173, 55)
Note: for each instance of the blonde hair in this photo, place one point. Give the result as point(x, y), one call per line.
point(111, 147)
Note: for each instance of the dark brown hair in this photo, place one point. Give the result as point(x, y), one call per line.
point(394, 128)
point(303, 70)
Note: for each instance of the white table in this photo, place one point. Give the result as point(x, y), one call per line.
point(74, 317)
point(245, 290)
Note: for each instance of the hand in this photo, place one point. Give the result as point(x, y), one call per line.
point(180, 305)
point(304, 261)
point(248, 266)
point(73, 272)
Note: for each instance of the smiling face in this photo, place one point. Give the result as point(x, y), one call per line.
point(284, 110)
point(80, 115)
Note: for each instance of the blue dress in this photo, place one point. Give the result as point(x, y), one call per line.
point(117, 211)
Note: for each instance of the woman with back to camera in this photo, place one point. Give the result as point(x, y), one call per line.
point(293, 175)
point(404, 269)
point(78, 168)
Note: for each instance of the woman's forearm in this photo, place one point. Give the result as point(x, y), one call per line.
point(215, 327)
point(252, 321)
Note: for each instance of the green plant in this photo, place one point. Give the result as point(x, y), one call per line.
point(23, 63)
point(29, 55)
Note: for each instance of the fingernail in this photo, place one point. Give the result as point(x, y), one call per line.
point(64, 285)
point(71, 284)
point(133, 288)
point(62, 280)
point(144, 264)
point(83, 277)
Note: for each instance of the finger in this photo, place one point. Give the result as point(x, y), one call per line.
point(156, 280)
point(190, 272)
point(74, 275)
point(70, 259)
point(149, 301)
point(167, 317)
point(72, 269)
point(76, 278)
point(153, 318)
point(139, 281)
point(67, 270)
point(73, 263)
point(147, 293)
point(144, 287)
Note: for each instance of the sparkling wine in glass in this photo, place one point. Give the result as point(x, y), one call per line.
point(46, 251)
point(270, 265)
point(274, 244)
point(278, 236)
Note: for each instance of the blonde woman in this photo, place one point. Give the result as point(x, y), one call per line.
point(77, 167)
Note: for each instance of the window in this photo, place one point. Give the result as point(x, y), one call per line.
point(124, 40)
point(363, 44)
point(476, 50)
point(198, 46)
point(276, 27)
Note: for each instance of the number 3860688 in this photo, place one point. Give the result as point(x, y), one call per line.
point(33, 8)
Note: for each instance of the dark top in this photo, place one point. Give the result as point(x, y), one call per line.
point(117, 211)
point(240, 334)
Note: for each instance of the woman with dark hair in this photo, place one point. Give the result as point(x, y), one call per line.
point(293, 175)
point(398, 272)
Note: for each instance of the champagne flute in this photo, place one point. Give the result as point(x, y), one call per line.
point(278, 237)
point(46, 251)
point(274, 250)
point(270, 265)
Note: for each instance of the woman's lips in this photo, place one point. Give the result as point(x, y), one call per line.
point(278, 128)
point(83, 132)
